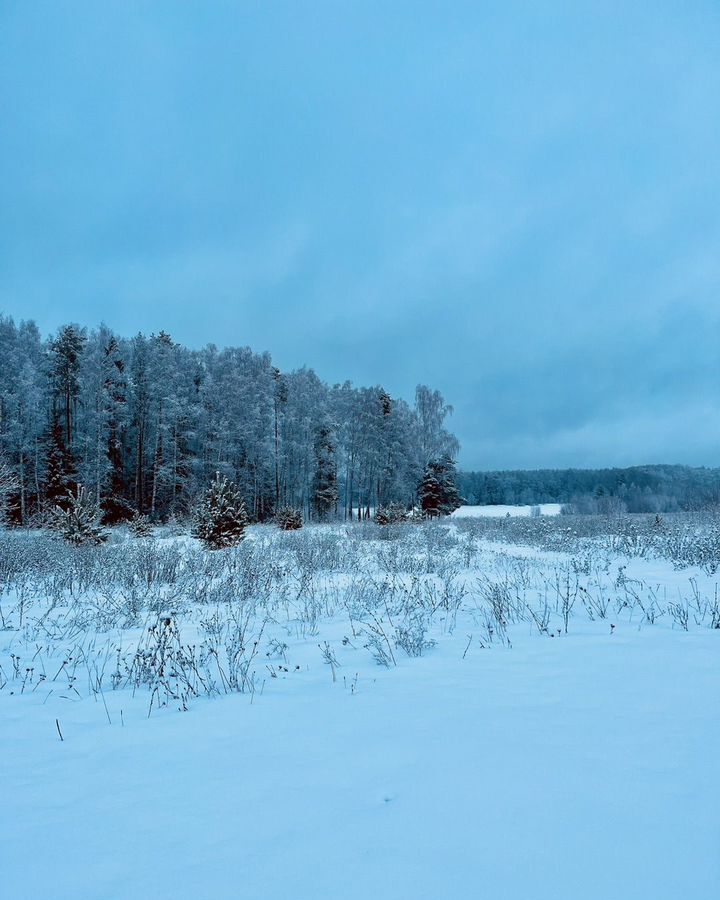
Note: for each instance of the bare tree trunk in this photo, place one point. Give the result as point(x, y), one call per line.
point(277, 459)
point(37, 472)
point(23, 506)
point(139, 474)
point(175, 468)
point(157, 460)
point(68, 417)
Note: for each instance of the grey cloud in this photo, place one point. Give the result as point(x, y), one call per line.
point(520, 207)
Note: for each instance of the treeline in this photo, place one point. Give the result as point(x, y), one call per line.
point(637, 489)
point(143, 424)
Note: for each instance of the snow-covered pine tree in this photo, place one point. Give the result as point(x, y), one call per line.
point(325, 484)
point(438, 491)
point(430, 493)
point(66, 353)
point(78, 520)
point(447, 476)
point(221, 519)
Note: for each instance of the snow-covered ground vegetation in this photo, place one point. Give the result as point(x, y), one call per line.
point(504, 707)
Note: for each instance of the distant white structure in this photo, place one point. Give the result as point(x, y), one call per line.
point(472, 512)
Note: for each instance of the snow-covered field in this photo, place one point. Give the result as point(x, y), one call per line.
point(419, 712)
point(544, 509)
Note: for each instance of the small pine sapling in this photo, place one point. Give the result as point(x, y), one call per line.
point(140, 526)
point(288, 518)
point(221, 518)
point(78, 520)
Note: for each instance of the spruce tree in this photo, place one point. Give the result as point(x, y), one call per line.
point(438, 491)
point(447, 476)
point(221, 518)
point(430, 493)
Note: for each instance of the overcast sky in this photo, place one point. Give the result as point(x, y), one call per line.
point(517, 203)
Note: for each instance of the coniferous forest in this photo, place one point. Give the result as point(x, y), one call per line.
point(144, 424)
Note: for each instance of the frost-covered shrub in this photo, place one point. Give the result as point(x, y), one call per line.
point(411, 635)
point(151, 563)
point(288, 518)
point(173, 671)
point(378, 643)
point(221, 519)
point(318, 550)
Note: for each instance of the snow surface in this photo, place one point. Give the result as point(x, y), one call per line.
point(546, 509)
point(579, 766)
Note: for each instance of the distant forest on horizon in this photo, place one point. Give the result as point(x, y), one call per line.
point(639, 489)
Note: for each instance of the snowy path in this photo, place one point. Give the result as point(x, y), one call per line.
point(578, 767)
